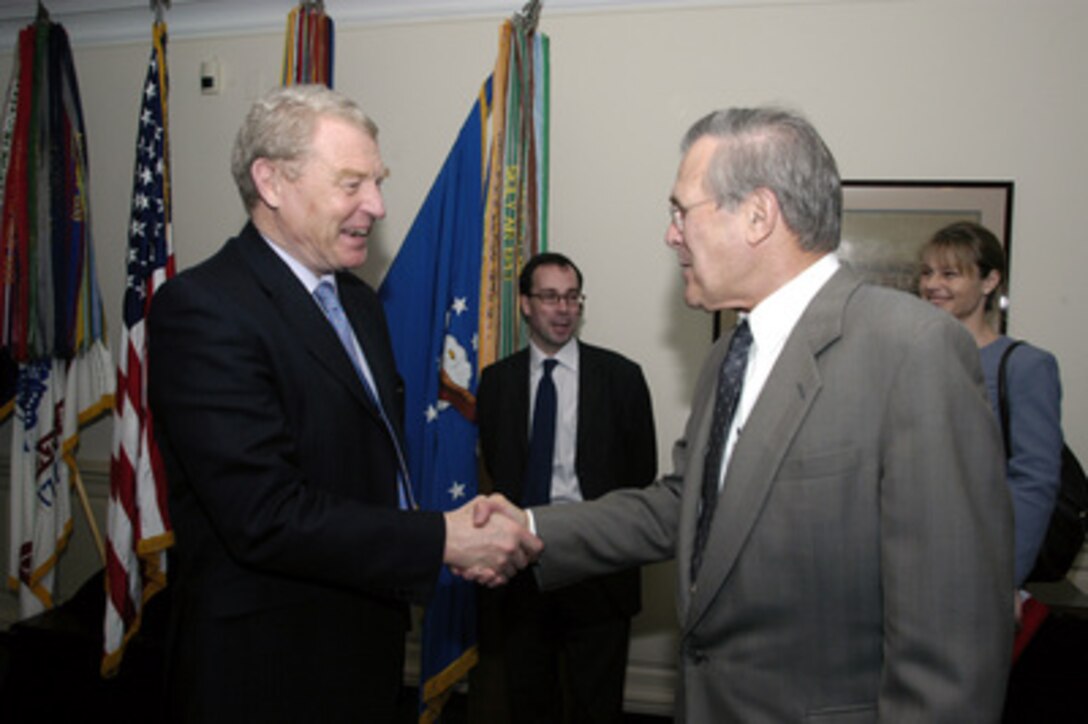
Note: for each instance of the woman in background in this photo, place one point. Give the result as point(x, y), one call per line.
point(963, 272)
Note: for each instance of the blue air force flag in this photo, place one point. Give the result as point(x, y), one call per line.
point(431, 297)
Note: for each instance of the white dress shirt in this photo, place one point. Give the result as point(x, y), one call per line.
point(565, 487)
point(771, 323)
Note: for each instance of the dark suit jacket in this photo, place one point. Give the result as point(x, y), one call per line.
point(616, 446)
point(294, 566)
point(859, 563)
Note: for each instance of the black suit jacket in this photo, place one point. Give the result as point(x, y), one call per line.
point(294, 566)
point(616, 445)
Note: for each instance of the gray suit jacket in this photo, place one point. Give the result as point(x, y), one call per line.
point(859, 566)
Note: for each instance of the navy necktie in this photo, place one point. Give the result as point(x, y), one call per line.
point(326, 297)
point(730, 380)
point(537, 488)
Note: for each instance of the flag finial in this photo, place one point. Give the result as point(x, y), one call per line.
point(158, 6)
point(527, 19)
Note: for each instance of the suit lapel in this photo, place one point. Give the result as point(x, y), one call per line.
point(517, 391)
point(300, 312)
point(366, 321)
point(590, 392)
point(698, 433)
point(768, 433)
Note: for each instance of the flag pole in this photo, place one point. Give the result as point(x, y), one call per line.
point(85, 502)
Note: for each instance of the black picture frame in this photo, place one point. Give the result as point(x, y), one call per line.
point(886, 222)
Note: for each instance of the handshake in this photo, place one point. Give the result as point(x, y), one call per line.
point(488, 540)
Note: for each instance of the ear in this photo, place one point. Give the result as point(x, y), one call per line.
point(524, 300)
point(761, 215)
point(991, 282)
point(268, 179)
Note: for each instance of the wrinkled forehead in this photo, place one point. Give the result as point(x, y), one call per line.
point(344, 143)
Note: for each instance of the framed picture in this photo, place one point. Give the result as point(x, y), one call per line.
point(885, 224)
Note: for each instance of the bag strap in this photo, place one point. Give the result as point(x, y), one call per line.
point(1002, 397)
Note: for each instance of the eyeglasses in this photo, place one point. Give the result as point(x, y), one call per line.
point(551, 298)
point(678, 212)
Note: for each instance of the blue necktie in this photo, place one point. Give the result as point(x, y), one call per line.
point(326, 297)
point(537, 488)
point(730, 380)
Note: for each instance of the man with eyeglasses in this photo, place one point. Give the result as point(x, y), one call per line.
point(563, 653)
point(837, 510)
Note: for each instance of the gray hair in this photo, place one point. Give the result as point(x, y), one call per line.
point(778, 150)
point(280, 127)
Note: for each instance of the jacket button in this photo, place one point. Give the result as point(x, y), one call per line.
point(695, 653)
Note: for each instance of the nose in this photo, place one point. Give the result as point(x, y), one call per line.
point(373, 203)
point(673, 236)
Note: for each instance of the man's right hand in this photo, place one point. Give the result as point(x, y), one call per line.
point(485, 548)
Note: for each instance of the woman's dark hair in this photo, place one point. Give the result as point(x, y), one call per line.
point(968, 244)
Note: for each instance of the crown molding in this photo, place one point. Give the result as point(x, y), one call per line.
point(120, 22)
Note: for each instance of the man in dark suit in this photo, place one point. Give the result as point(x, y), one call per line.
point(564, 652)
point(841, 526)
point(297, 548)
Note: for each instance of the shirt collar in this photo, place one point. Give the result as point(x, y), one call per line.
point(774, 318)
point(304, 275)
point(567, 356)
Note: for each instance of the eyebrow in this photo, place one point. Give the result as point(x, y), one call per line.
point(351, 173)
point(556, 289)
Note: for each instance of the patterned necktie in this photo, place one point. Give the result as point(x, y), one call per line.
point(537, 489)
point(326, 297)
point(730, 380)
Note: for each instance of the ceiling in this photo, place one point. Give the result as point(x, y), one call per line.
point(90, 22)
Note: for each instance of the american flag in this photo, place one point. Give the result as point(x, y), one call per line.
point(138, 526)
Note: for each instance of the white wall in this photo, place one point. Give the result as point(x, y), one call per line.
point(902, 89)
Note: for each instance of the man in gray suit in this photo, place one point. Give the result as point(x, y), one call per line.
point(856, 561)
